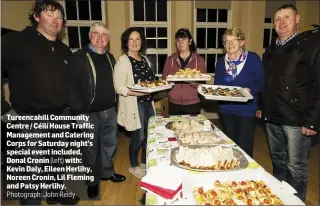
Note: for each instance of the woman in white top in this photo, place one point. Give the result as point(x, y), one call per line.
point(135, 108)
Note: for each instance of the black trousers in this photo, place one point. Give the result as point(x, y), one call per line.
point(179, 109)
point(240, 129)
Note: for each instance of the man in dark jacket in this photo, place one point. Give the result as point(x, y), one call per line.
point(37, 63)
point(291, 98)
point(92, 93)
point(5, 107)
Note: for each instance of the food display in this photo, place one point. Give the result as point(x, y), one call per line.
point(231, 92)
point(224, 93)
point(212, 173)
point(188, 73)
point(247, 192)
point(151, 84)
point(189, 125)
point(207, 158)
point(198, 138)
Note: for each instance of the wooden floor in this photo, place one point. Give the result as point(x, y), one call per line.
point(129, 193)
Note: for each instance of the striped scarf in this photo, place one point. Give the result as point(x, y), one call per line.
point(232, 71)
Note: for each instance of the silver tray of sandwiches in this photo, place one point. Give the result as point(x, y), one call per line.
point(208, 158)
point(190, 125)
point(198, 138)
point(192, 132)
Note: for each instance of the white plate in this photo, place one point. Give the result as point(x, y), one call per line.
point(150, 89)
point(188, 79)
point(247, 95)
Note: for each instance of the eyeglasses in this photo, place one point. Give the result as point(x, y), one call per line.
point(231, 42)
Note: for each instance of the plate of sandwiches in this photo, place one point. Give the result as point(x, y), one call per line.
point(189, 125)
point(188, 74)
point(224, 93)
point(198, 138)
point(209, 158)
point(151, 86)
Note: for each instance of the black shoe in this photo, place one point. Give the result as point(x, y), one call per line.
point(69, 200)
point(63, 200)
point(52, 201)
point(115, 178)
point(93, 191)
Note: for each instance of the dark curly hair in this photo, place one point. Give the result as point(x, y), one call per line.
point(185, 33)
point(125, 39)
point(44, 5)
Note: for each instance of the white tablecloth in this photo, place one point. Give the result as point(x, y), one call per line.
point(159, 153)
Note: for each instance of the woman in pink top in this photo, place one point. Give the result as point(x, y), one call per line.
point(183, 97)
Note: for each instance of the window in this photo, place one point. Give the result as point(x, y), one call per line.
point(210, 25)
point(80, 15)
point(269, 33)
point(153, 18)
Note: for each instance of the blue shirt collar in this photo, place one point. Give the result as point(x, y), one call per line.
point(94, 50)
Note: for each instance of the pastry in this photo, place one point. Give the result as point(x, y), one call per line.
point(235, 193)
point(188, 73)
point(151, 84)
point(222, 92)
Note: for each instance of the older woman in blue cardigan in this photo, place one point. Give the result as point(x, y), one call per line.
point(244, 69)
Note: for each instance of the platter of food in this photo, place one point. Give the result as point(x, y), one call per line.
point(248, 192)
point(224, 93)
point(198, 138)
point(243, 187)
point(188, 74)
point(189, 125)
point(151, 86)
point(209, 158)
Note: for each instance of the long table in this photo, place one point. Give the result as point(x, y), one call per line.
point(159, 152)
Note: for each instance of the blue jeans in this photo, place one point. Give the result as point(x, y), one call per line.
point(99, 156)
point(290, 153)
point(139, 136)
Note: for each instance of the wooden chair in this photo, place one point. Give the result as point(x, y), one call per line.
point(164, 103)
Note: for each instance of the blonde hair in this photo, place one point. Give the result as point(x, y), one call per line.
point(100, 24)
point(236, 32)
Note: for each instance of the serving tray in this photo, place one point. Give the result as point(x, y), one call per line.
point(237, 153)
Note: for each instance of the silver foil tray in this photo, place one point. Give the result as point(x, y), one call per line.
point(237, 153)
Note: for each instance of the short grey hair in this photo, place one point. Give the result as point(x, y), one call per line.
point(99, 24)
point(235, 32)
